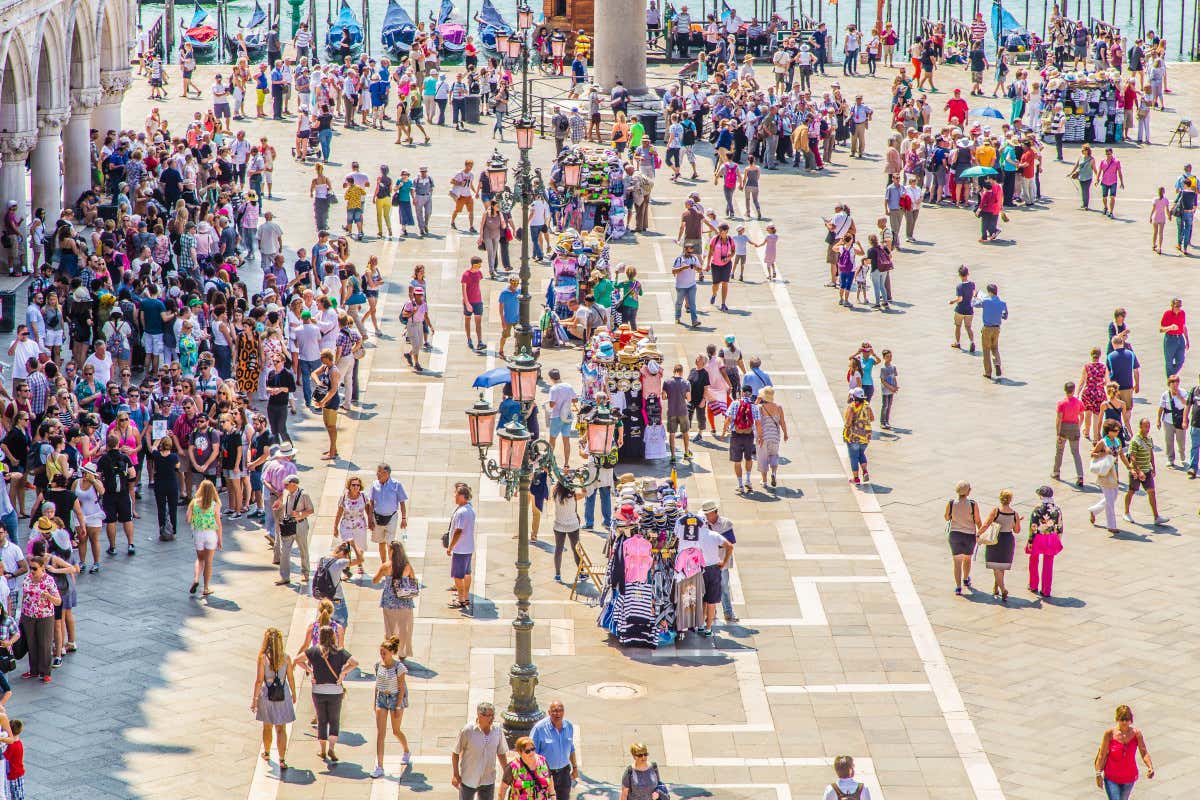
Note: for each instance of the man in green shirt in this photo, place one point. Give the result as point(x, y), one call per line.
point(1141, 473)
point(637, 132)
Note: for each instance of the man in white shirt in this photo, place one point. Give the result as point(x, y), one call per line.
point(13, 559)
point(22, 349)
point(239, 149)
point(860, 118)
point(846, 787)
point(686, 270)
point(539, 226)
point(357, 176)
point(462, 549)
point(477, 754)
point(559, 412)
point(307, 338)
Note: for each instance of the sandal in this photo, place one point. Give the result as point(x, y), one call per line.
point(282, 765)
point(266, 756)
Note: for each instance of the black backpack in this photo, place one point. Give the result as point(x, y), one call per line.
point(323, 585)
point(561, 124)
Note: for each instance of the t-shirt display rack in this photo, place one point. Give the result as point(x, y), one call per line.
point(1090, 101)
point(627, 366)
point(654, 590)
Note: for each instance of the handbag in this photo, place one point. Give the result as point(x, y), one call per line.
point(8, 661)
point(1101, 464)
point(990, 535)
point(446, 535)
point(408, 589)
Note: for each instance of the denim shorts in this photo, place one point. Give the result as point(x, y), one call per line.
point(354, 215)
point(560, 427)
point(387, 702)
point(460, 564)
point(1108, 190)
point(845, 280)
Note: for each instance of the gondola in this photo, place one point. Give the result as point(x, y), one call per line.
point(333, 39)
point(490, 25)
point(398, 30)
point(254, 33)
point(199, 34)
point(451, 33)
point(1008, 33)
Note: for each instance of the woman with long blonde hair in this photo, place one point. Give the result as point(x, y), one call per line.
point(273, 699)
point(204, 515)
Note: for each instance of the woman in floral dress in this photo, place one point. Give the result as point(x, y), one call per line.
point(354, 509)
point(1091, 392)
point(527, 777)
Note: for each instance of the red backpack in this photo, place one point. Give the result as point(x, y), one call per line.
point(743, 418)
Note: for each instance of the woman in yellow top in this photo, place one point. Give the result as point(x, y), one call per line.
point(620, 132)
point(204, 515)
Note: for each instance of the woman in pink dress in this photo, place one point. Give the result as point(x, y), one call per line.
point(1160, 212)
point(1091, 392)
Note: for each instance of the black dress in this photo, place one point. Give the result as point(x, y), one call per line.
point(1000, 554)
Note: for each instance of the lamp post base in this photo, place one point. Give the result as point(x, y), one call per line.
point(522, 712)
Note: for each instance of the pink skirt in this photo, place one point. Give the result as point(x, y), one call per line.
point(1047, 544)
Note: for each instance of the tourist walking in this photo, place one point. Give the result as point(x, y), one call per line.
point(204, 515)
point(39, 599)
point(352, 521)
point(327, 664)
point(1116, 760)
point(273, 698)
point(292, 511)
point(1067, 416)
point(527, 777)
point(962, 526)
point(1045, 541)
point(478, 753)
point(1176, 342)
point(856, 433)
point(997, 533)
point(770, 428)
point(1171, 408)
point(964, 312)
point(554, 739)
point(1142, 471)
point(1092, 394)
point(641, 780)
point(1107, 453)
point(398, 597)
point(461, 547)
point(995, 311)
point(391, 698)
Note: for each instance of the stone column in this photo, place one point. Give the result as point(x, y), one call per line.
point(44, 164)
point(620, 45)
point(14, 150)
point(113, 83)
point(77, 158)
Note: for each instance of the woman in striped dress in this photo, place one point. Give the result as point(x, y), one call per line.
point(770, 428)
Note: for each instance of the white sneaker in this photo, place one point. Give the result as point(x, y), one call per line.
point(253, 509)
point(1127, 517)
point(1160, 520)
point(406, 758)
point(377, 772)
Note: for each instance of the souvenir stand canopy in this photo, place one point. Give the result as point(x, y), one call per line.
point(627, 366)
point(1090, 102)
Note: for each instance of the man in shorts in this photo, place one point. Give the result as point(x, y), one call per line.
point(742, 414)
point(692, 531)
point(509, 302)
point(559, 412)
point(389, 502)
point(677, 390)
point(154, 315)
point(472, 302)
point(116, 471)
point(462, 547)
point(464, 191)
point(1141, 472)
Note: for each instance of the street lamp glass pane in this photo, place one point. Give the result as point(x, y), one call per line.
point(571, 174)
point(514, 46)
point(524, 135)
point(512, 452)
point(599, 436)
point(497, 178)
point(502, 43)
point(558, 47)
point(524, 18)
point(524, 384)
point(481, 426)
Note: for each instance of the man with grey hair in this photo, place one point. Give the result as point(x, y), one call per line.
point(554, 738)
point(292, 510)
point(389, 502)
point(472, 758)
point(756, 378)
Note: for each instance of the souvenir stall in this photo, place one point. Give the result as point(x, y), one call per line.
point(574, 258)
point(628, 367)
point(654, 585)
point(1090, 102)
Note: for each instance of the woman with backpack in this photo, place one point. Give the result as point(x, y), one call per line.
point(204, 515)
point(962, 526)
point(273, 697)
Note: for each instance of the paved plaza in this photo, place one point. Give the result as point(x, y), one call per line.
point(851, 639)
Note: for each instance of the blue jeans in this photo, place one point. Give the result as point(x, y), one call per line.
point(341, 613)
point(306, 371)
point(1173, 353)
point(879, 286)
point(1193, 455)
point(688, 294)
point(1183, 229)
point(858, 455)
point(1117, 791)
point(726, 597)
point(325, 138)
point(589, 507)
point(223, 355)
point(535, 233)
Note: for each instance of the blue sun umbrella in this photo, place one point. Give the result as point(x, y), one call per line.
point(977, 172)
point(986, 111)
point(493, 377)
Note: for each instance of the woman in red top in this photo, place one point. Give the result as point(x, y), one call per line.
point(1116, 766)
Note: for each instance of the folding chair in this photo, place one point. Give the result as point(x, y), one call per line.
point(585, 569)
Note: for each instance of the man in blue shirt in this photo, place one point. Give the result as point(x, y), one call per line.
point(1125, 369)
point(554, 738)
point(277, 87)
point(509, 300)
point(389, 502)
point(152, 312)
point(995, 310)
point(756, 378)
